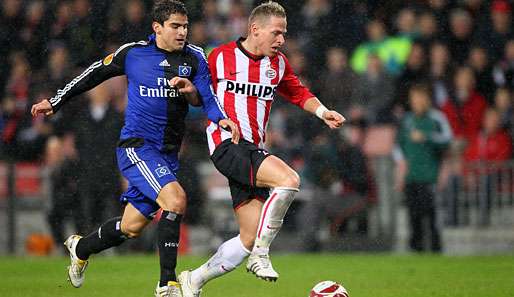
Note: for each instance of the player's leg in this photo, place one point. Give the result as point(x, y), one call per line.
point(229, 255)
point(111, 233)
point(172, 200)
point(276, 174)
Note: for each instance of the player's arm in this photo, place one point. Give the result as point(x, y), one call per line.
point(96, 73)
point(295, 92)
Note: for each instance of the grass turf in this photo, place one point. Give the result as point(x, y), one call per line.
point(377, 275)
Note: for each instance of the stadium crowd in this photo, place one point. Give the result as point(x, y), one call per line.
point(359, 57)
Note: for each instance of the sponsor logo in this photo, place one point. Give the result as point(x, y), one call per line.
point(234, 72)
point(163, 90)
point(265, 92)
point(162, 171)
point(184, 71)
point(271, 73)
point(164, 63)
point(108, 60)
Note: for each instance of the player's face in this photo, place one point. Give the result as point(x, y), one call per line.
point(172, 34)
point(270, 35)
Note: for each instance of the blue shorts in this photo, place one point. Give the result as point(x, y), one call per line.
point(147, 171)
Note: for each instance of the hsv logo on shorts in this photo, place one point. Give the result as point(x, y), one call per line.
point(162, 171)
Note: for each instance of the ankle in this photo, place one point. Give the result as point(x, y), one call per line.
point(260, 251)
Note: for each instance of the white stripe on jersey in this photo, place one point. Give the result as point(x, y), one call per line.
point(142, 42)
point(241, 101)
point(281, 67)
point(57, 98)
point(261, 104)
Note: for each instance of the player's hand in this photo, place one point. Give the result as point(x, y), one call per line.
point(184, 85)
point(227, 124)
point(333, 119)
point(43, 107)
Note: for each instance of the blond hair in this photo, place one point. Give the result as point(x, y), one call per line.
point(267, 9)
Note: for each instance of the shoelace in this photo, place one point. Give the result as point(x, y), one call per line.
point(264, 261)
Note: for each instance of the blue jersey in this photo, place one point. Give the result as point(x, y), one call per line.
point(155, 111)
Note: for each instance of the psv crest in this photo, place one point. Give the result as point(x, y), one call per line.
point(271, 73)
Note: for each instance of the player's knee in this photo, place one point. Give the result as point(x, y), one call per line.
point(175, 202)
point(131, 231)
point(291, 180)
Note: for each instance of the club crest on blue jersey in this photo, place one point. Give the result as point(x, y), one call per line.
point(162, 171)
point(184, 71)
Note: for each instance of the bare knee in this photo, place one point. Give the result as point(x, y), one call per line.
point(174, 200)
point(290, 180)
point(131, 230)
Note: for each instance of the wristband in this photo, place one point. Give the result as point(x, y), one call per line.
point(320, 110)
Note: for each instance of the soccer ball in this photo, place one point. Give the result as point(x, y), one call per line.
point(328, 289)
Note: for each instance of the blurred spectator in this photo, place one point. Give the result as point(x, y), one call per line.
point(465, 108)
point(428, 29)
point(322, 171)
point(58, 68)
point(392, 51)
point(237, 19)
point(65, 203)
point(355, 176)
point(374, 91)
point(406, 23)
point(479, 62)
point(314, 37)
point(16, 101)
point(198, 35)
point(99, 184)
point(34, 34)
point(440, 10)
point(212, 19)
point(134, 23)
point(424, 134)
point(83, 48)
point(494, 36)
point(441, 69)
point(60, 27)
point(460, 37)
point(487, 150)
point(338, 82)
point(504, 70)
point(492, 143)
point(415, 72)
point(504, 105)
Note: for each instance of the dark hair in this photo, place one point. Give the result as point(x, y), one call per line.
point(421, 87)
point(267, 9)
point(162, 9)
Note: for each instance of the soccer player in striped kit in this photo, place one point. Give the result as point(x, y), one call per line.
point(164, 74)
point(246, 75)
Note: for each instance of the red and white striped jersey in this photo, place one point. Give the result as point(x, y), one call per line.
point(246, 86)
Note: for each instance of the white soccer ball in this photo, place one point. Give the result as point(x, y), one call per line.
point(328, 289)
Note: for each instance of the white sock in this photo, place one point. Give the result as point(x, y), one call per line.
point(272, 217)
point(228, 256)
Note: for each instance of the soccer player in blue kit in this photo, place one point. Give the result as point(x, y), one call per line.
point(165, 74)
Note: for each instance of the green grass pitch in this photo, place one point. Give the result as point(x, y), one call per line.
point(376, 275)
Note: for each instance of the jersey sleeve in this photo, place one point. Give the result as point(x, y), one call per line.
point(291, 88)
point(203, 84)
point(98, 72)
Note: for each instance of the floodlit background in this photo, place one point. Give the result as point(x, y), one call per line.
point(58, 175)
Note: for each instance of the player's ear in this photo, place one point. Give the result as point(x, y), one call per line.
point(157, 28)
point(254, 29)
